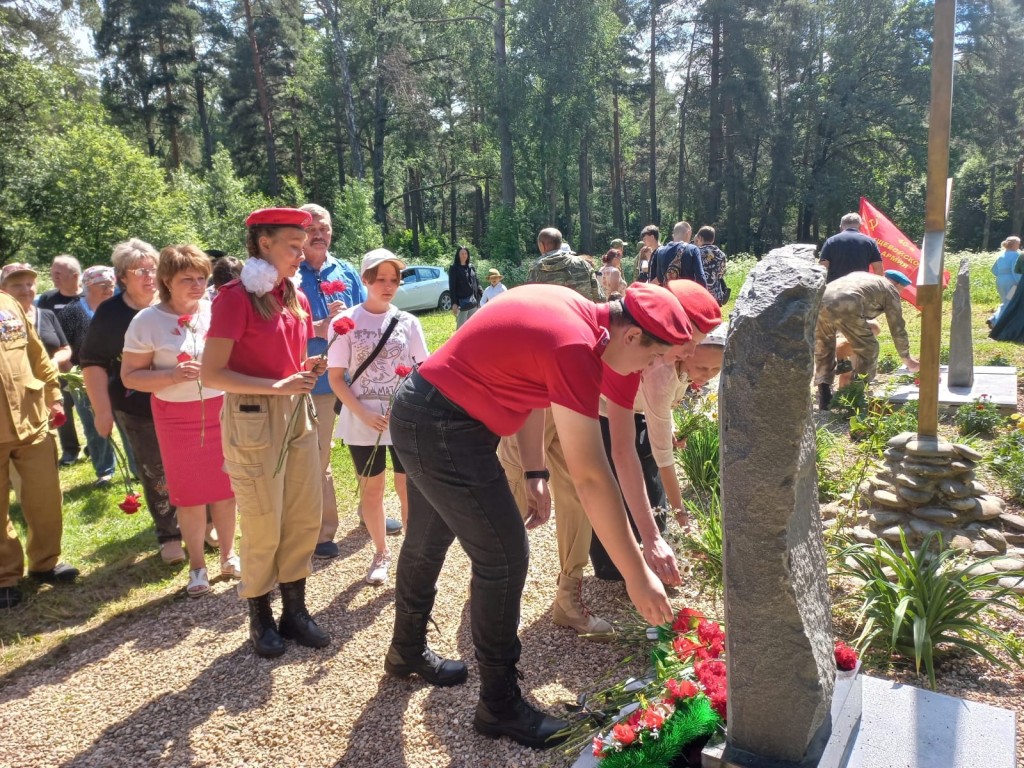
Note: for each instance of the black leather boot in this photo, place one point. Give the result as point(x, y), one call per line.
point(502, 711)
point(296, 623)
point(409, 653)
point(262, 630)
point(824, 396)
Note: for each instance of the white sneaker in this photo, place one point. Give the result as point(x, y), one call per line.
point(378, 573)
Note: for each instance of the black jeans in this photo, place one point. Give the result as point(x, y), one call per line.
point(457, 489)
point(604, 568)
point(69, 443)
point(141, 434)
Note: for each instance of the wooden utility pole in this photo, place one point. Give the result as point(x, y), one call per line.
point(929, 276)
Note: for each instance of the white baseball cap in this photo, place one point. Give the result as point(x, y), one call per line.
point(379, 256)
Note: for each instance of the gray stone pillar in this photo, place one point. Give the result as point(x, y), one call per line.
point(961, 344)
point(781, 668)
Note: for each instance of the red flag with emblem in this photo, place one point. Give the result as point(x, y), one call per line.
point(898, 252)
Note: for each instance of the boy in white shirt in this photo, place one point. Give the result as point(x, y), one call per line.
point(495, 289)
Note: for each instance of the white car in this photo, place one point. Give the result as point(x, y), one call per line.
point(423, 288)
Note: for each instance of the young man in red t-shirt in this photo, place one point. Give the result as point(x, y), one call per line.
point(445, 425)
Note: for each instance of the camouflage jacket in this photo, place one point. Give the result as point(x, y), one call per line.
point(568, 269)
point(865, 295)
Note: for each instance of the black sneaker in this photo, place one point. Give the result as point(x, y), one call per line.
point(326, 550)
point(392, 527)
point(62, 573)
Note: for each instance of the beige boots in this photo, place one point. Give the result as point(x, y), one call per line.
point(570, 611)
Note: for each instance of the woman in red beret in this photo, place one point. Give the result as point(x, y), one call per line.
point(445, 425)
point(256, 352)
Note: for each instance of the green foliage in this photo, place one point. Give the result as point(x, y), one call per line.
point(703, 542)
point(700, 461)
point(851, 399)
point(355, 230)
point(999, 360)
point(90, 189)
point(217, 204)
point(507, 236)
point(880, 422)
point(978, 418)
point(888, 364)
point(927, 602)
point(693, 719)
point(1008, 458)
point(434, 248)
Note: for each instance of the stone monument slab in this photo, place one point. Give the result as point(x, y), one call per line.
point(777, 609)
point(961, 344)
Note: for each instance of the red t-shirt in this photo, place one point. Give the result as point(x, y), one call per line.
point(620, 389)
point(269, 349)
point(528, 348)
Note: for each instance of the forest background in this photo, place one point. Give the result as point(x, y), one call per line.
point(424, 123)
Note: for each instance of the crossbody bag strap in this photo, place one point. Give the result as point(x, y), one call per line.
point(376, 350)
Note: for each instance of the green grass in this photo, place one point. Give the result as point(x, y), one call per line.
point(122, 571)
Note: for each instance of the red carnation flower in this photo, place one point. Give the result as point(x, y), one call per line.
point(131, 504)
point(58, 420)
point(687, 619)
point(652, 719)
point(624, 734)
point(401, 371)
point(598, 747)
point(343, 325)
point(184, 357)
point(681, 689)
point(709, 631)
point(846, 657)
point(718, 701)
point(184, 321)
point(685, 648)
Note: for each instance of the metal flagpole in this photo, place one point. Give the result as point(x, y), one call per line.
point(929, 276)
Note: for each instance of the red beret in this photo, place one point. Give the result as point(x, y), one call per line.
point(701, 307)
point(279, 217)
point(658, 312)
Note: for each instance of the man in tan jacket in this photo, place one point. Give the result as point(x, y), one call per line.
point(31, 403)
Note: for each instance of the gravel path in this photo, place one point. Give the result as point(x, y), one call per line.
point(176, 684)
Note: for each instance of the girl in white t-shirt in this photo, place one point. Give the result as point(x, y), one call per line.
point(363, 423)
point(162, 351)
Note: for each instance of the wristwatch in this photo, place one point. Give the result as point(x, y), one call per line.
point(537, 474)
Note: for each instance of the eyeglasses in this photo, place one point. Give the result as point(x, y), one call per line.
point(144, 272)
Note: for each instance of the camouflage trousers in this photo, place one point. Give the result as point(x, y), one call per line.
point(858, 332)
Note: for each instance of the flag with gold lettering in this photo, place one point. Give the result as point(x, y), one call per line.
point(898, 252)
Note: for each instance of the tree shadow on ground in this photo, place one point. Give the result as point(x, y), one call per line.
point(172, 717)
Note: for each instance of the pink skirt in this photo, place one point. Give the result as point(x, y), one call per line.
point(195, 473)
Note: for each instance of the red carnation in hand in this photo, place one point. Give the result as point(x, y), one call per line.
point(131, 504)
point(184, 357)
point(184, 321)
point(681, 689)
point(58, 420)
point(335, 286)
point(401, 371)
point(343, 325)
point(687, 619)
point(624, 734)
point(846, 657)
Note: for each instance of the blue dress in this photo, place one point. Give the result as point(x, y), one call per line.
point(1006, 278)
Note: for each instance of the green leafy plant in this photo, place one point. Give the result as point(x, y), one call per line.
point(888, 364)
point(999, 359)
point(699, 459)
point(881, 421)
point(915, 601)
point(703, 542)
point(851, 399)
point(978, 418)
point(1007, 459)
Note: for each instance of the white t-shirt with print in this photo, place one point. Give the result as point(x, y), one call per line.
point(155, 331)
point(492, 292)
point(377, 384)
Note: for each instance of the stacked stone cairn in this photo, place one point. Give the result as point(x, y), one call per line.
point(928, 484)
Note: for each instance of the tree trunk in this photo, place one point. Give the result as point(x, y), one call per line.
point(653, 170)
point(380, 117)
point(989, 208)
point(508, 179)
point(713, 199)
point(618, 219)
point(1018, 196)
point(586, 244)
point(297, 141)
point(454, 201)
point(273, 182)
point(478, 215)
point(341, 59)
point(201, 112)
point(171, 119)
point(684, 171)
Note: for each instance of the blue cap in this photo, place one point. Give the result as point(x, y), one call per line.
point(897, 277)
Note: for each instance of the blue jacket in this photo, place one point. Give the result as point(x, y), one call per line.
point(355, 293)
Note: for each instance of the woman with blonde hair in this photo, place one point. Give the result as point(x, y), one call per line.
point(100, 357)
point(162, 352)
point(1007, 274)
point(256, 352)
